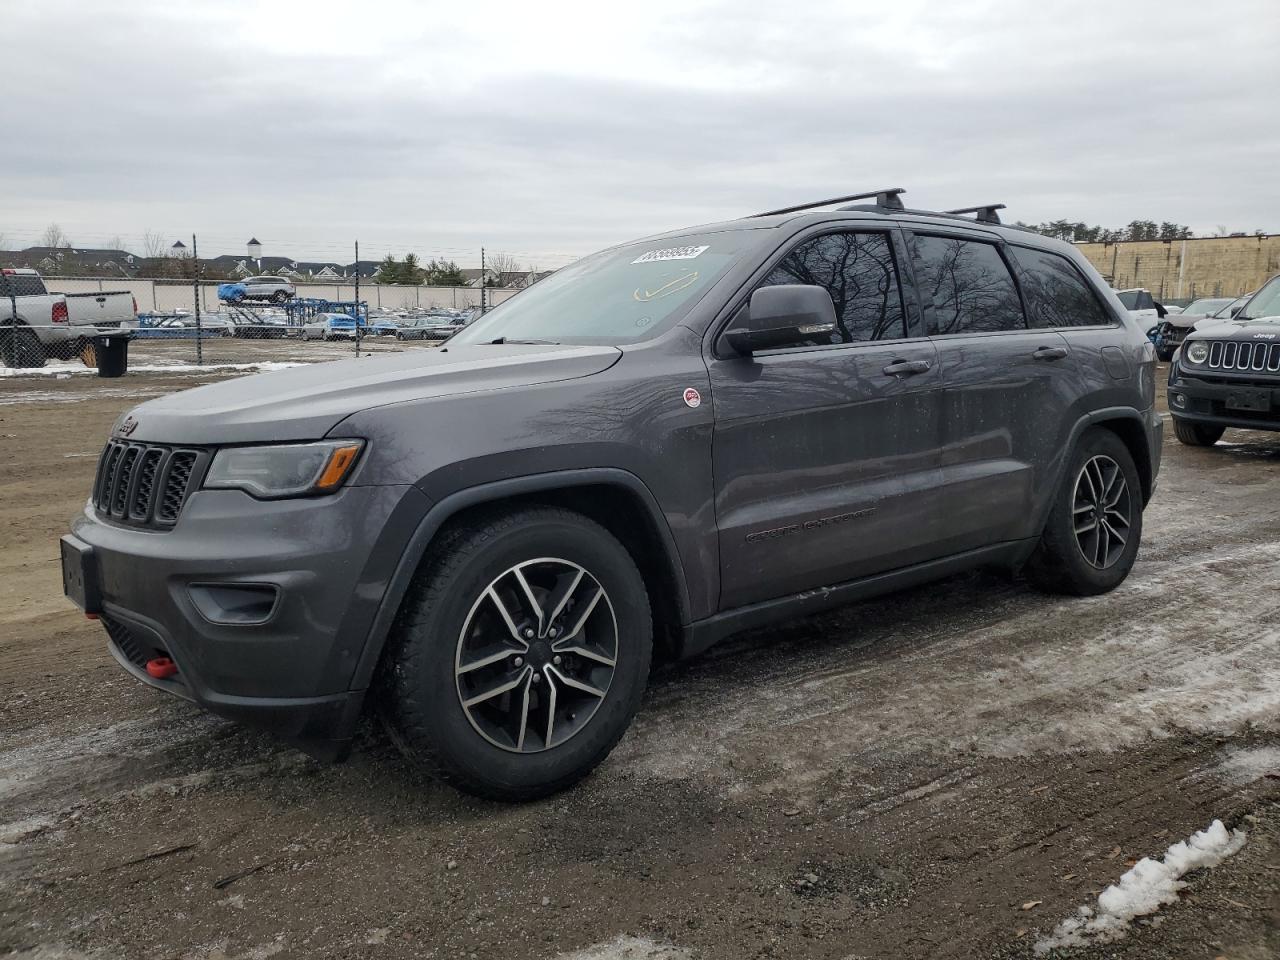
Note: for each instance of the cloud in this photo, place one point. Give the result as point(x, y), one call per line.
point(550, 130)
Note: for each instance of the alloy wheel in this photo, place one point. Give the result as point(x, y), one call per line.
point(1101, 511)
point(536, 655)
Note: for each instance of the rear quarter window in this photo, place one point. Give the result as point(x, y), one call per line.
point(1057, 293)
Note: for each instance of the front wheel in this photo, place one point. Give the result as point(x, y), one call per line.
point(1197, 434)
point(520, 655)
point(1091, 538)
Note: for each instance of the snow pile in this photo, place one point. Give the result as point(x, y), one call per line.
point(1143, 890)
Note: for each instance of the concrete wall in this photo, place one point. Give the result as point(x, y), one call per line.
point(1186, 269)
point(168, 295)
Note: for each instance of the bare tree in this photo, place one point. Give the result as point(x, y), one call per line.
point(115, 243)
point(4, 242)
point(505, 267)
point(54, 237)
point(152, 245)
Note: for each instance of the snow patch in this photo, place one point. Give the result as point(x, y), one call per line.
point(1250, 764)
point(22, 830)
point(628, 948)
point(1147, 887)
point(61, 370)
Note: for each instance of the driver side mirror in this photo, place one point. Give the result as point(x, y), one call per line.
point(782, 316)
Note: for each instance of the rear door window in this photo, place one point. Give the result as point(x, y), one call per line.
point(22, 285)
point(859, 271)
point(1057, 294)
point(965, 285)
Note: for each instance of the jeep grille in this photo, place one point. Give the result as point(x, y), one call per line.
point(1244, 356)
point(144, 484)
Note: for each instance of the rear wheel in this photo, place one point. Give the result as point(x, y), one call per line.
point(20, 347)
point(1197, 434)
point(520, 655)
point(1091, 538)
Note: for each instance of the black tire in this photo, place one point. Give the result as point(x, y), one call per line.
point(1065, 562)
point(1197, 434)
point(279, 297)
point(1165, 354)
point(21, 348)
point(423, 679)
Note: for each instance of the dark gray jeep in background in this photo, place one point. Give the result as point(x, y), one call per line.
point(1227, 373)
point(660, 445)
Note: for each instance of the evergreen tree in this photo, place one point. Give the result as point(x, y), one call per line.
point(388, 270)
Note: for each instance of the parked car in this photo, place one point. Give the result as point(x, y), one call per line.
point(1142, 306)
point(272, 289)
point(53, 324)
point(1173, 308)
point(331, 326)
point(1228, 372)
point(662, 444)
point(1230, 310)
point(1173, 329)
point(384, 327)
point(426, 328)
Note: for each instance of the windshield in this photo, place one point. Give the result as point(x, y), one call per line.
point(617, 296)
point(1264, 303)
point(1207, 305)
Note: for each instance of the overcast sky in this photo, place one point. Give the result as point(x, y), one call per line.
point(551, 129)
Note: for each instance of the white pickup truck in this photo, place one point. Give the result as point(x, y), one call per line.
point(36, 324)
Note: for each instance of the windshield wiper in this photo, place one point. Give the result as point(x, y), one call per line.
point(499, 340)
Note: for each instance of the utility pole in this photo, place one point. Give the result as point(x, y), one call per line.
point(195, 296)
point(482, 297)
point(13, 324)
point(358, 298)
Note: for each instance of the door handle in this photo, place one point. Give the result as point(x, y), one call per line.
point(907, 368)
point(1049, 353)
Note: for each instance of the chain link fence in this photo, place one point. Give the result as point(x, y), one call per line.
point(66, 324)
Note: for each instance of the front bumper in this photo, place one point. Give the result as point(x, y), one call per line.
point(288, 664)
point(1213, 402)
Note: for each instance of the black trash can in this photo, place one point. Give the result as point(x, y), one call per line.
point(112, 350)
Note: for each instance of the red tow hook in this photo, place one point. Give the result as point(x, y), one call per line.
point(162, 668)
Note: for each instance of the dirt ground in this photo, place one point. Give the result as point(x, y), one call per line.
point(946, 772)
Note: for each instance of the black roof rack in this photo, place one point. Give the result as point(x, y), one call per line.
point(889, 199)
point(986, 213)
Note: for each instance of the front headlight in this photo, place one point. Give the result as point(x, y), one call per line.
point(284, 470)
point(1197, 351)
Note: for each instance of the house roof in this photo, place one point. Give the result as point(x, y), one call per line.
point(253, 242)
point(178, 245)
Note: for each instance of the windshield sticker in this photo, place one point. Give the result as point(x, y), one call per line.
point(671, 253)
point(668, 288)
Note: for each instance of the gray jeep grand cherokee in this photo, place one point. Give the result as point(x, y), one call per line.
point(659, 445)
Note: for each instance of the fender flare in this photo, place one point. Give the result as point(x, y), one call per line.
point(1092, 418)
point(441, 511)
